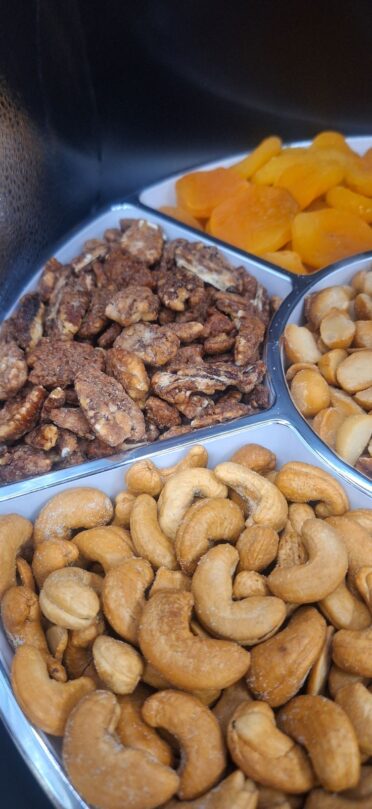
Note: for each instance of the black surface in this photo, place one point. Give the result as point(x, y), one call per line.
point(19, 789)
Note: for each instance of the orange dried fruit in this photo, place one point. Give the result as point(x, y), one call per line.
point(268, 148)
point(322, 237)
point(200, 192)
point(358, 176)
point(257, 219)
point(287, 260)
point(345, 200)
point(310, 179)
point(270, 172)
point(331, 140)
point(181, 215)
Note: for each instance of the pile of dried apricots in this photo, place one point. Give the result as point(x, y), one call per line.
point(300, 208)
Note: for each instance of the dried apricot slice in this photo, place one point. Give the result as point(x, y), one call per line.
point(287, 260)
point(331, 140)
point(268, 148)
point(310, 179)
point(200, 192)
point(359, 176)
point(322, 237)
point(345, 200)
point(270, 172)
point(181, 215)
point(257, 219)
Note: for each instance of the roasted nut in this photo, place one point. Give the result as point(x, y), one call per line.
point(13, 369)
point(133, 731)
point(255, 457)
point(329, 362)
point(144, 478)
point(21, 617)
point(342, 401)
point(327, 423)
point(123, 507)
point(318, 799)
point(57, 639)
point(179, 492)
point(310, 392)
point(266, 503)
point(104, 772)
point(357, 542)
point(355, 372)
point(352, 436)
point(258, 547)
point(356, 701)
point(363, 516)
point(339, 679)
point(363, 334)
point(299, 366)
point(129, 370)
point(123, 596)
point(361, 281)
point(191, 723)
point(344, 610)
point(195, 458)
point(364, 398)
point(303, 483)
point(51, 555)
point(133, 304)
point(318, 306)
point(170, 580)
point(20, 414)
point(69, 597)
point(72, 509)
point(142, 240)
point(209, 520)
point(118, 664)
point(233, 791)
point(249, 583)
point(363, 306)
point(154, 345)
point(317, 680)
point(25, 574)
point(337, 330)
point(299, 344)
point(111, 413)
point(229, 701)
point(351, 651)
point(55, 363)
point(108, 545)
point(15, 532)
point(148, 539)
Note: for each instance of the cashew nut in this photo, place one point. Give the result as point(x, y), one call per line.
point(266, 503)
point(247, 621)
point(258, 547)
point(46, 703)
point(357, 541)
point(105, 773)
point(123, 596)
point(363, 516)
point(78, 661)
point(280, 665)
point(72, 509)
point(356, 701)
point(179, 492)
point(352, 651)
point(266, 754)
point(118, 664)
point(144, 478)
point(192, 724)
point(57, 639)
point(133, 731)
point(196, 458)
point(320, 575)
point(123, 508)
point(344, 610)
point(328, 736)
point(363, 581)
point(108, 544)
point(339, 679)
point(51, 555)
point(255, 457)
point(249, 583)
point(325, 800)
point(228, 703)
point(69, 597)
point(15, 532)
point(170, 580)
point(25, 574)
point(234, 792)
point(303, 483)
point(206, 521)
point(317, 679)
point(188, 661)
point(149, 540)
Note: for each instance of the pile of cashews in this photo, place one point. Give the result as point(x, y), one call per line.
point(204, 642)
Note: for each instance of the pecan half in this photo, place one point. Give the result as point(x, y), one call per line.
point(21, 413)
point(174, 432)
point(176, 287)
point(55, 363)
point(123, 270)
point(23, 462)
point(130, 371)
point(111, 413)
point(219, 343)
point(67, 307)
point(187, 355)
point(13, 369)
point(93, 250)
point(43, 437)
point(26, 325)
point(187, 332)
point(143, 240)
point(161, 413)
point(109, 336)
point(196, 405)
point(248, 340)
point(95, 318)
point(208, 264)
point(155, 345)
point(72, 419)
point(133, 304)
point(223, 411)
point(49, 277)
point(176, 388)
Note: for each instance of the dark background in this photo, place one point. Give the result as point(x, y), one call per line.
point(100, 98)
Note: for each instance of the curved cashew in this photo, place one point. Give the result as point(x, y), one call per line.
point(280, 665)
point(118, 664)
point(291, 549)
point(324, 800)
point(357, 541)
point(266, 503)
point(153, 678)
point(52, 555)
point(25, 574)
point(46, 703)
point(69, 597)
point(247, 621)
point(198, 733)
point(123, 596)
point(356, 701)
point(123, 508)
point(352, 651)
point(363, 581)
point(248, 583)
point(298, 513)
point(320, 575)
point(266, 754)
point(179, 492)
point(170, 580)
point(196, 458)
point(344, 610)
point(134, 732)
point(328, 736)
point(255, 457)
point(149, 540)
point(104, 772)
point(72, 509)
point(234, 792)
point(57, 639)
point(231, 698)
point(84, 638)
point(15, 532)
point(338, 679)
point(78, 662)
point(206, 521)
point(108, 544)
point(188, 661)
point(363, 516)
point(144, 478)
point(317, 679)
point(258, 547)
point(303, 483)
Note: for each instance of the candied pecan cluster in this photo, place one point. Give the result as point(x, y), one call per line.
point(137, 339)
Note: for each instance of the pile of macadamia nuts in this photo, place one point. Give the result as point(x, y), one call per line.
point(330, 376)
point(204, 642)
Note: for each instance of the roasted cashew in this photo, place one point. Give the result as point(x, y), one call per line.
point(303, 483)
point(57, 639)
point(118, 664)
point(351, 651)
point(338, 679)
point(248, 583)
point(266, 754)
point(255, 457)
point(206, 521)
point(133, 731)
point(291, 549)
point(196, 458)
point(149, 540)
point(15, 532)
point(356, 701)
point(328, 736)
point(357, 541)
point(84, 638)
point(234, 792)
point(108, 544)
point(78, 661)
point(318, 799)
point(105, 773)
point(188, 661)
point(69, 597)
point(317, 679)
point(320, 575)
point(248, 621)
point(153, 678)
point(269, 798)
point(170, 580)
point(298, 513)
point(363, 581)
point(198, 733)
point(179, 492)
point(144, 478)
point(344, 610)
point(123, 596)
point(228, 703)
point(46, 703)
point(280, 665)
point(25, 574)
point(363, 516)
point(72, 509)
point(267, 505)
point(51, 555)
point(258, 547)
point(123, 508)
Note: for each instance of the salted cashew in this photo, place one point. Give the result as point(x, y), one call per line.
point(57, 640)
point(206, 521)
point(363, 516)
point(269, 798)
point(149, 540)
point(84, 638)
point(170, 580)
point(329, 737)
point(357, 541)
point(198, 733)
point(144, 478)
point(46, 703)
point(187, 661)
point(247, 621)
point(153, 678)
point(291, 550)
point(344, 610)
point(248, 583)
point(78, 662)
point(258, 547)
point(317, 679)
point(356, 701)
point(320, 575)
point(69, 597)
point(266, 754)
point(179, 492)
point(133, 731)
point(298, 513)
point(266, 503)
point(51, 555)
point(234, 792)
point(108, 544)
point(15, 532)
point(195, 458)
point(228, 703)
point(72, 509)
point(338, 679)
point(363, 581)
point(303, 483)
point(123, 596)
point(280, 665)
point(25, 574)
point(105, 773)
point(123, 508)
point(255, 457)
point(118, 664)
point(351, 651)
point(318, 799)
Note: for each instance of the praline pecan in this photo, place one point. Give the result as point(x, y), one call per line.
point(43, 437)
point(143, 240)
point(162, 414)
point(250, 336)
point(219, 343)
point(55, 363)
point(130, 371)
point(259, 398)
point(133, 304)
point(155, 345)
point(223, 411)
point(13, 369)
point(23, 462)
point(238, 307)
point(208, 264)
point(93, 250)
point(49, 277)
point(177, 286)
point(95, 318)
point(122, 270)
point(26, 325)
point(187, 332)
point(175, 432)
point(111, 413)
point(217, 323)
point(176, 388)
point(167, 261)
point(109, 336)
point(73, 419)
point(187, 355)
point(96, 449)
point(67, 307)
point(196, 405)
point(21, 413)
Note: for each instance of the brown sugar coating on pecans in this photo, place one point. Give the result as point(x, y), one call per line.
point(20, 414)
point(121, 270)
point(111, 413)
point(130, 371)
point(55, 363)
point(23, 462)
point(13, 369)
point(162, 414)
point(155, 345)
point(67, 307)
point(143, 240)
point(95, 318)
point(73, 419)
point(178, 387)
point(177, 286)
point(132, 305)
point(26, 325)
point(208, 264)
